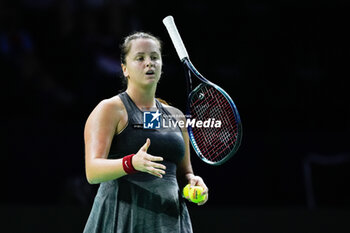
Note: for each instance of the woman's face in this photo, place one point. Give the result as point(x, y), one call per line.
point(143, 62)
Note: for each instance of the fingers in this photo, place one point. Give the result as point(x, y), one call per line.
point(198, 181)
point(206, 190)
point(192, 183)
point(154, 158)
point(145, 162)
point(146, 145)
point(156, 172)
point(157, 165)
point(205, 200)
point(156, 169)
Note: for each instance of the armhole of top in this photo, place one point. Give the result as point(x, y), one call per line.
point(127, 115)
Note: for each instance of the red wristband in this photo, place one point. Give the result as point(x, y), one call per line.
point(127, 165)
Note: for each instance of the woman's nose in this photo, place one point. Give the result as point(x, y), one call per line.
point(149, 63)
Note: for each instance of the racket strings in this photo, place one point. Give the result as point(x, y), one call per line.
point(214, 143)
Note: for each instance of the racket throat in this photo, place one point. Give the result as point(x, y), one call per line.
point(188, 81)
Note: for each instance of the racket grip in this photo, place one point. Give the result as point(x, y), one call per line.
point(175, 37)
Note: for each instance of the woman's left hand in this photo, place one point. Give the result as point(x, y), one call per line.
point(198, 181)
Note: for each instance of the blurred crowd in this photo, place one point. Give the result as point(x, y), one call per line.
point(57, 59)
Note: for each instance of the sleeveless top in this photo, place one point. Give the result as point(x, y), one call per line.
point(140, 202)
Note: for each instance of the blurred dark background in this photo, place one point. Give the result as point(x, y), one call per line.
point(285, 64)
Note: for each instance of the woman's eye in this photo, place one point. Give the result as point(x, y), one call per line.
point(154, 58)
point(139, 58)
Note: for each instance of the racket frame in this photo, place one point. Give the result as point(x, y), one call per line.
point(189, 68)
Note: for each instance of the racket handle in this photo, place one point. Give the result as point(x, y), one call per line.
point(175, 37)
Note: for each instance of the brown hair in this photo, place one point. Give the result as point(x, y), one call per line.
point(126, 45)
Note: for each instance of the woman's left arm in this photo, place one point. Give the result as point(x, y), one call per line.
point(184, 171)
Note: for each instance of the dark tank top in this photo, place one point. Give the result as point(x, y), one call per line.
point(167, 143)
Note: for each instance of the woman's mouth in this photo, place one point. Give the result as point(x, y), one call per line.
point(150, 73)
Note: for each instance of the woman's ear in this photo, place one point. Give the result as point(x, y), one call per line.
point(125, 71)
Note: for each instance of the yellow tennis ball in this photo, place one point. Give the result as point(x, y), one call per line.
point(186, 191)
point(196, 195)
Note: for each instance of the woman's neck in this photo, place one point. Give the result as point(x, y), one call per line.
point(144, 99)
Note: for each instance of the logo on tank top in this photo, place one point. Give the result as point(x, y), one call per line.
point(151, 120)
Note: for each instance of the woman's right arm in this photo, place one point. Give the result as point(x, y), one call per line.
point(100, 129)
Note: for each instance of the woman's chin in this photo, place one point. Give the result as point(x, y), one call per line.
point(152, 79)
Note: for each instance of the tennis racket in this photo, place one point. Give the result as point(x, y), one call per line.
point(208, 104)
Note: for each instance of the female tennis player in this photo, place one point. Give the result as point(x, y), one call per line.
point(138, 169)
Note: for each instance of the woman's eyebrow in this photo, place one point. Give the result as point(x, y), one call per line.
point(141, 53)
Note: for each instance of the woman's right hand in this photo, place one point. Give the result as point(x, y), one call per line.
point(144, 162)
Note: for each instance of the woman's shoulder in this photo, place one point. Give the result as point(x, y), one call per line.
point(113, 106)
point(114, 102)
point(109, 116)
